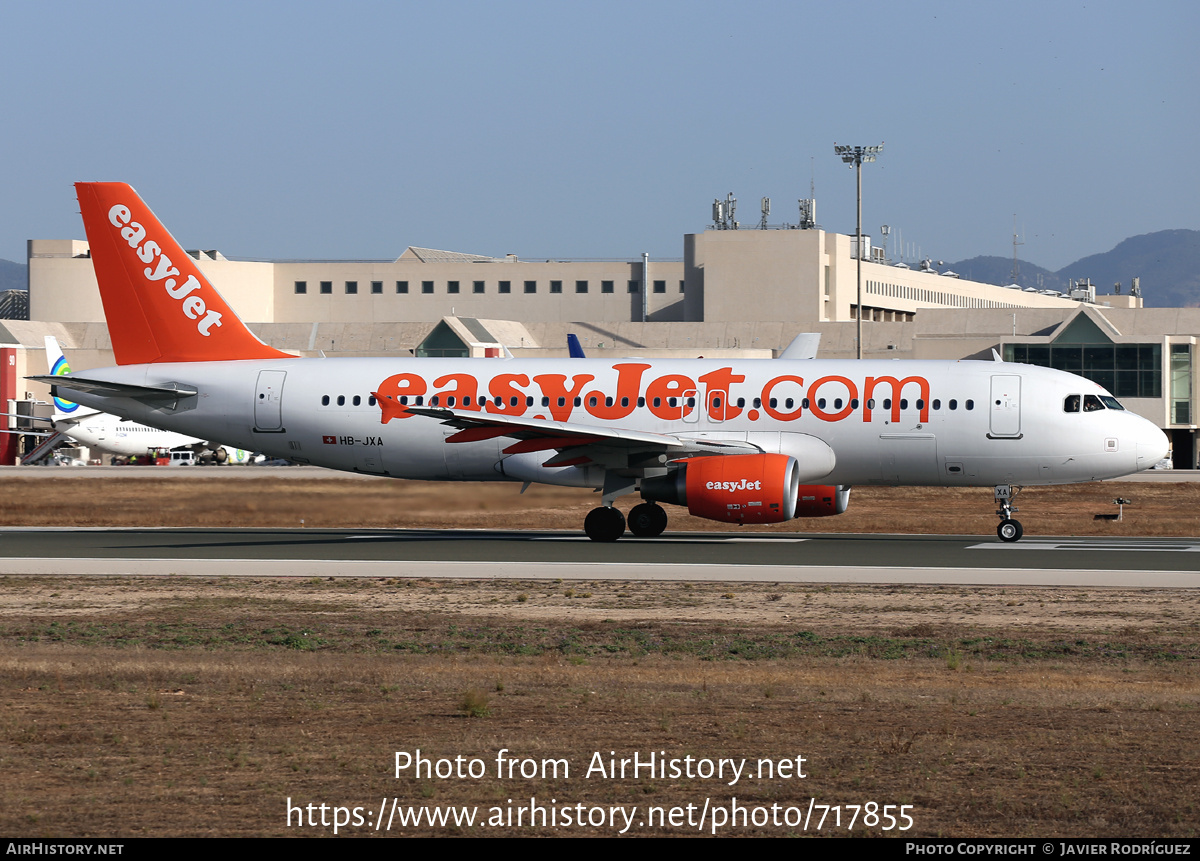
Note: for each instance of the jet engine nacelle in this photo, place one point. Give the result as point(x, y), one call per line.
point(822, 500)
point(742, 488)
point(746, 488)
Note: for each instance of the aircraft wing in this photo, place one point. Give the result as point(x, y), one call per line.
point(544, 435)
point(27, 433)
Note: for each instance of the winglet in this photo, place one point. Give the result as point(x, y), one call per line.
point(574, 348)
point(159, 305)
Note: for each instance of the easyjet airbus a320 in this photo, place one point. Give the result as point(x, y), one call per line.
point(739, 441)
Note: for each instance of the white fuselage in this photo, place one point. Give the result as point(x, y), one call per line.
point(115, 435)
point(884, 422)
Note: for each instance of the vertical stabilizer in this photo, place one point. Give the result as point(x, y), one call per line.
point(57, 363)
point(159, 305)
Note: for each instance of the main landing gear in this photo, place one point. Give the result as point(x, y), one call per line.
point(1009, 529)
point(604, 524)
point(646, 520)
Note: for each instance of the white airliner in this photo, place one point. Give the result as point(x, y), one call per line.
point(745, 441)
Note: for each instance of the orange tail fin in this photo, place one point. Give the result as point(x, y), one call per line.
point(159, 306)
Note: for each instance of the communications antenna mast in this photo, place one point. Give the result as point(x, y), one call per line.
point(1016, 270)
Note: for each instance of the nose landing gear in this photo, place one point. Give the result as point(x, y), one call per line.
point(1009, 529)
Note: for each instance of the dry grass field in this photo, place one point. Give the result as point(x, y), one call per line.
point(179, 706)
point(176, 499)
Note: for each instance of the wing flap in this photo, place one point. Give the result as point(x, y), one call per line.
point(543, 435)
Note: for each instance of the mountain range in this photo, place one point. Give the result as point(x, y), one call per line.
point(12, 275)
point(1168, 263)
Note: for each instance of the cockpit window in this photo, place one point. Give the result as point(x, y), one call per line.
point(1091, 403)
point(1111, 402)
point(1071, 404)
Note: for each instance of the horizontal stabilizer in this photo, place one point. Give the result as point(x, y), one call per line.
point(115, 390)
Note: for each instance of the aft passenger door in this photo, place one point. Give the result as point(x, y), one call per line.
point(268, 402)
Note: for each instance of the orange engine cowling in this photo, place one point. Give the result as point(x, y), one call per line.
point(744, 488)
point(822, 500)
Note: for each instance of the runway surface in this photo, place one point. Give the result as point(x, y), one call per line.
point(966, 560)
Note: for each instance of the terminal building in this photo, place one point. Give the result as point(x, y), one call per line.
point(734, 292)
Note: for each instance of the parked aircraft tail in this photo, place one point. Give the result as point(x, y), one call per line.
point(159, 305)
point(56, 362)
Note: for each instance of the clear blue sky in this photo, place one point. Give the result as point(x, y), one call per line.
point(578, 129)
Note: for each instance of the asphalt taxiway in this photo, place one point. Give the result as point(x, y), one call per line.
point(963, 560)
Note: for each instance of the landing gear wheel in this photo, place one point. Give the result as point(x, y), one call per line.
point(604, 524)
point(1010, 530)
point(647, 520)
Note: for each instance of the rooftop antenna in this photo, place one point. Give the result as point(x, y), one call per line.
point(1016, 270)
point(808, 207)
point(723, 212)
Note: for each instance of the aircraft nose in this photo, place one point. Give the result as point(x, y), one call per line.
point(1152, 446)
